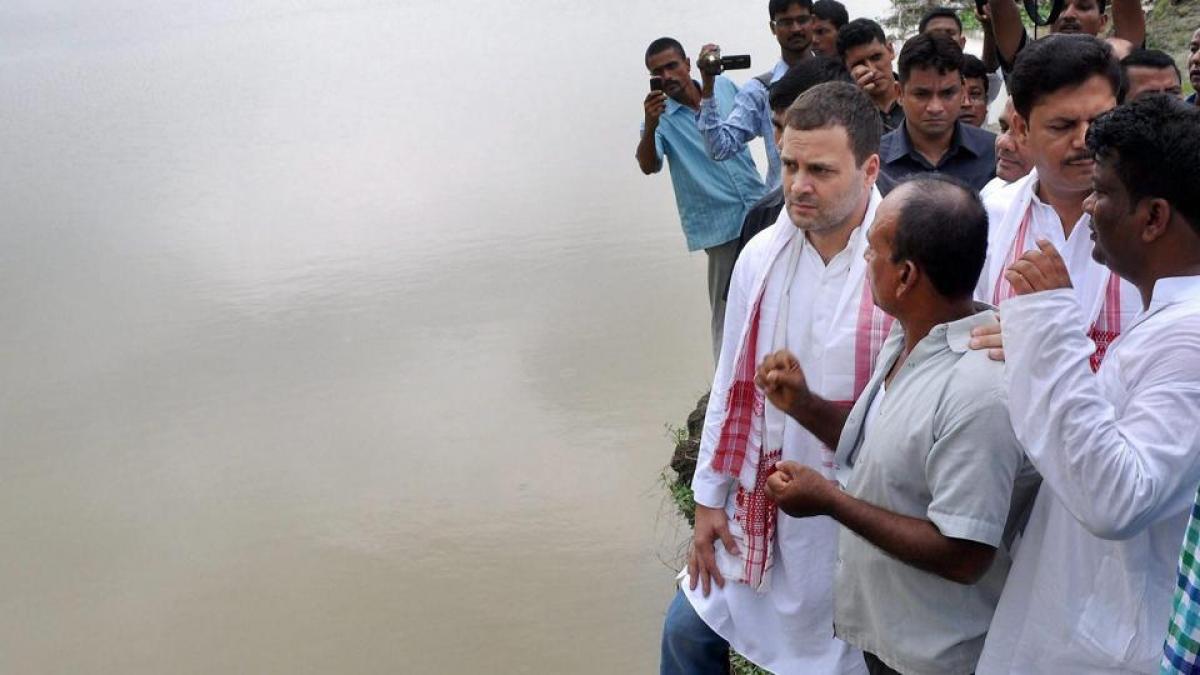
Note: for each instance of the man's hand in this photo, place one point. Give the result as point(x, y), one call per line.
point(865, 78)
point(799, 491)
point(655, 104)
point(711, 525)
point(1041, 270)
point(984, 16)
point(780, 377)
point(988, 337)
point(708, 78)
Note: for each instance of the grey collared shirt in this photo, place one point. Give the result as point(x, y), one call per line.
point(941, 448)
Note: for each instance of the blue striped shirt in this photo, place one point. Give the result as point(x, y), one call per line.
point(713, 197)
point(751, 117)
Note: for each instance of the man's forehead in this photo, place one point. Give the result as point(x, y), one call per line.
point(794, 9)
point(663, 58)
point(799, 144)
point(1152, 72)
point(942, 23)
point(930, 77)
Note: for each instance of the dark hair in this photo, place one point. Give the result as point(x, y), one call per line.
point(859, 32)
point(839, 104)
point(930, 51)
point(1154, 146)
point(938, 12)
point(832, 11)
point(805, 75)
point(662, 44)
point(777, 7)
point(1145, 58)
point(1056, 62)
point(973, 67)
point(943, 228)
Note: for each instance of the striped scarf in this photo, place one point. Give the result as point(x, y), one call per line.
point(749, 420)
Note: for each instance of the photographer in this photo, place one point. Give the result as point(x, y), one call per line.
point(727, 134)
point(712, 199)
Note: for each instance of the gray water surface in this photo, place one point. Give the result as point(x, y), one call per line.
point(340, 337)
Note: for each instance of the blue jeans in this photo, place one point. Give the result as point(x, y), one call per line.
point(689, 646)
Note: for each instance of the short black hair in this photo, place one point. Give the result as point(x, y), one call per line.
point(930, 51)
point(943, 228)
point(1056, 62)
point(839, 104)
point(805, 75)
point(859, 32)
point(1154, 146)
point(973, 67)
point(937, 12)
point(662, 44)
point(777, 7)
point(832, 11)
point(1145, 58)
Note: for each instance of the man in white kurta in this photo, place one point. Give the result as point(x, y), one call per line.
point(1061, 84)
point(813, 303)
point(1119, 451)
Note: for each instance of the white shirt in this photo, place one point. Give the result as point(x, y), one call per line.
point(1091, 585)
point(789, 629)
point(1006, 207)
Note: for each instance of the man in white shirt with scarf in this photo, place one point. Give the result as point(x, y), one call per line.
point(1059, 85)
point(1119, 450)
point(756, 582)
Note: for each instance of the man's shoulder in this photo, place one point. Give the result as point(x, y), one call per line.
point(980, 141)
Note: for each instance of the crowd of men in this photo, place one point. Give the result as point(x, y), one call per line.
point(955, 421)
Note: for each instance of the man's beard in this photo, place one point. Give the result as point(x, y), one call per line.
point(834, 215)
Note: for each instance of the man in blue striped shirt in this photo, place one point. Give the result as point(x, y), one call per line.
point(725, 134)
point(712, 196)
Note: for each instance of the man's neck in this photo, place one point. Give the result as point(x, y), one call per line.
point(791, 58)
point(1068, 205)
point(917, 323)
point(690, 96)
point(932, 148)
point(834, 240)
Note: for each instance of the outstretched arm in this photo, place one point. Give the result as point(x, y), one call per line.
point(1129, 21)
point(1007, 28)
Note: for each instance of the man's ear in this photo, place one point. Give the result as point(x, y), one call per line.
point(907, 279)
point(1020, 127)
point(1158, 219)
point(871, 170)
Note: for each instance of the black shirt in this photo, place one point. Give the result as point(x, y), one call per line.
point(971, 157)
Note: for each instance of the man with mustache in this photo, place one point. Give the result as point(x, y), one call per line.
point(755, 581)
point(868, 55)
point(725, 134)
point(1012, 161)
point(1078, 16)
point(1061, 83)
point(1119, 451)
point(712, 198)
point(932, 138)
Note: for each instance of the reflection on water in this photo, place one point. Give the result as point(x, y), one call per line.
point(339, 337)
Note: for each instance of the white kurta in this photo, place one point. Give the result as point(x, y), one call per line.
point(1091, 585)
point(789, 629)
point(1006, 207)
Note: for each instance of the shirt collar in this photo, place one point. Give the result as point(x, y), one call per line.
point(958, 333)
point(673, 105)
point(1173, 290)
point(961, 139)
point(779, 71)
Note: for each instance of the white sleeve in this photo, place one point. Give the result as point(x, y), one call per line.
point(1116, 471)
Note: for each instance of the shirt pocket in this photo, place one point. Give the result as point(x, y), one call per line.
point(1114, 617)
